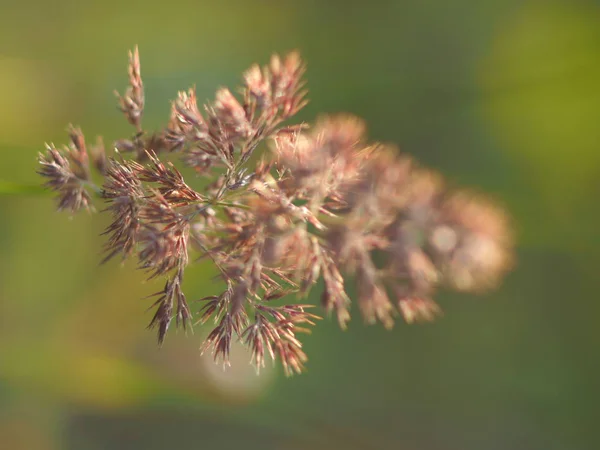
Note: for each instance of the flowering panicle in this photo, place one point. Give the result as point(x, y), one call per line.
point(321, 203)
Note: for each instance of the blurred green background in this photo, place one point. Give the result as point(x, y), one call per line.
point(503, 96)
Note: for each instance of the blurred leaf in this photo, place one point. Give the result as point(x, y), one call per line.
point(542, 101)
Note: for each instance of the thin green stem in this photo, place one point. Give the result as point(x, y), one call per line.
point(12, 188)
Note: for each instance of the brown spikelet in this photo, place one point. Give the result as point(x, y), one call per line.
point(132, 102)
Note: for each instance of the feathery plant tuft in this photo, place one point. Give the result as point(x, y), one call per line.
point(320, 203)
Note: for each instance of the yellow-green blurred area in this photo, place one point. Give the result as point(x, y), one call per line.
point(502, 96)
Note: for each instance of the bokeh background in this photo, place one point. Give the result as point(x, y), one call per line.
point(500, 95)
